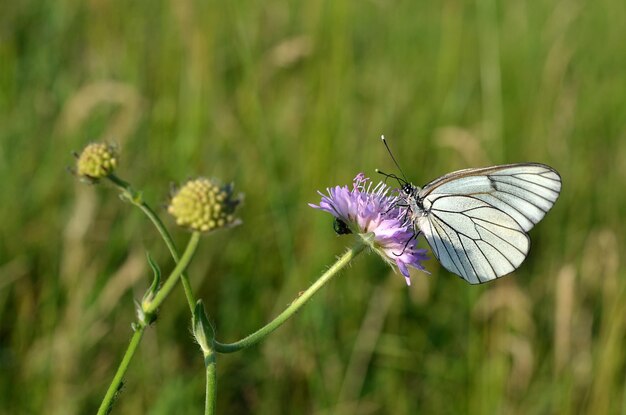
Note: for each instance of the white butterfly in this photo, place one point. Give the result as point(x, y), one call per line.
point(475, 220)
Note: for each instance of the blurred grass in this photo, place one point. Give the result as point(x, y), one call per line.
point(284, 99)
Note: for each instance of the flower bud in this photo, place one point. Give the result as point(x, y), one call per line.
point(96, 161)
point(202, 205)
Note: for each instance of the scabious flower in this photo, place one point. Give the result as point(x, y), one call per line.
point(96, 161)
point(204, 205)
point(366, 209)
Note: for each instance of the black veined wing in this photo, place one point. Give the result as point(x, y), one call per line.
point(475, 220)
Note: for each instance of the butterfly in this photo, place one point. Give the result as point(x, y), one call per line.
point(476, 220)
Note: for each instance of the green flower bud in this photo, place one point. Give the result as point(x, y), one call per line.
point(202, 205)
point(96, 161)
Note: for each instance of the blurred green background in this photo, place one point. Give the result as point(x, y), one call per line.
point(285, 98)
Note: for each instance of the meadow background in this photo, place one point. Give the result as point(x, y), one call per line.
point(285, 98)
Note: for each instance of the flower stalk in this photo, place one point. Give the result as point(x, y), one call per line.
point(114, 387)
point(211, 383)
point(135, 198)
point(169, 285)
point(146, 314)
point(205, 336)
point(264, 331)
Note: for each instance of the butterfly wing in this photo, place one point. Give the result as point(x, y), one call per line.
point(476, 220)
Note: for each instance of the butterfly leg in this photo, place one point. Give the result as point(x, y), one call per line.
point(413, 237)
point(396, 205)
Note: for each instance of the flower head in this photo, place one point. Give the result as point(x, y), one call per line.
point(365, 209)
point(96, 161)
point(203, 205)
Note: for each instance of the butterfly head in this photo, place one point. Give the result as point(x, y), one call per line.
point(407, 189)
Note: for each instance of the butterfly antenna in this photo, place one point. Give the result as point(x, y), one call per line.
point(391, 176)
point(382, 137)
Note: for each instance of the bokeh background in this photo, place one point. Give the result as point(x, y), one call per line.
point(285, 98)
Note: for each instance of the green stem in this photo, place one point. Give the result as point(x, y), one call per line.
point(107, 402)
point(260, 334)
point(148, 309)
point(169, 285)
point(211, 383)
point(135, 198)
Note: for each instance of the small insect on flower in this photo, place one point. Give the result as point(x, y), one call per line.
point(340, 227)
point(96, 161)
point(366, 210)
point(203, 205)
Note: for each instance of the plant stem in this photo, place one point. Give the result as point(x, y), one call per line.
point(135, 198)
point(169, 285)
point(140, 327)
point(260, 334)
point(211, 383)
point(116, 383)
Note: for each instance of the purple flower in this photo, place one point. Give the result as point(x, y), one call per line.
point(366, 209)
